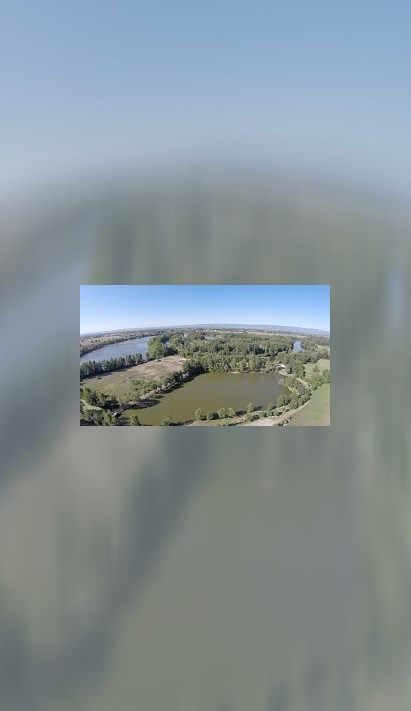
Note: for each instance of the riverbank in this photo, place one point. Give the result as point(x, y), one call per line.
point(89, 344)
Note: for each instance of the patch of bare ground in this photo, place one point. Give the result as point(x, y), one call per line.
point(121, 382)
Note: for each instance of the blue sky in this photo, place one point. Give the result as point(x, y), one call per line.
point(105, 307)
point(124, 83)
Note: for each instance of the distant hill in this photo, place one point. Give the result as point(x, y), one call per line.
point(234, 326)
point(259, 327)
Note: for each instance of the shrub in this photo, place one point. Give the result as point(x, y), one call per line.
point(166, 420)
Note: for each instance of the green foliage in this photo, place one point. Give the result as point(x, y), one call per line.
point(135, 421)
point(171, 379)
point(233, 351)
point(166, 420)
point(157, 348)
point(315, 381)
point(231, 412)
point(99, 399)
point(91, 368)
point(222, 413)
point(250, 407)
point(109, 419)
point(199, 414)
point(211, 416)
point(85, 393)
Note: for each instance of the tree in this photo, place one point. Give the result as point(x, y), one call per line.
point(135, 421)
point(316, 369)
point(316, 380)
point(269, 410)
point(166, 421)
point(250, 407)
point(85, 394)
point(199, 414)
point(211, 415)
point(222, 413)
point(231, 412)
point(281, 401)
point(109, 419)
point(99, 399)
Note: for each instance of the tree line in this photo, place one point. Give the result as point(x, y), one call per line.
point(228, 353)
point(318, 379)
point(102, 408)
point(159, 347)
point(91, 368)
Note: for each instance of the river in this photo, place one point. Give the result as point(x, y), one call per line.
point(115, 350)
point(210, 392)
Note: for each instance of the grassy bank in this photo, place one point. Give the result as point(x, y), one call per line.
point(322, 364)
point(317, 412)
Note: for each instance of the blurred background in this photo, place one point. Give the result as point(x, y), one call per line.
point(196, 568)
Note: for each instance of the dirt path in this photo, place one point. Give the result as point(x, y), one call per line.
point(270, 421)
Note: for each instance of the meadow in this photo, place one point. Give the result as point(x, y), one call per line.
point(317, 412)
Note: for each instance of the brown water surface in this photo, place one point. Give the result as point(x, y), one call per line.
point(212, 391)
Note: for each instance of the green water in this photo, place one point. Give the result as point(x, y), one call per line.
point(210, 392)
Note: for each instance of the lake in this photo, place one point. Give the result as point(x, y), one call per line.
point(212, 391)
point(297, 346)
point(115, 350)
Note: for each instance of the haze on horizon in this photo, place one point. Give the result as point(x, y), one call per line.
point(120, 307)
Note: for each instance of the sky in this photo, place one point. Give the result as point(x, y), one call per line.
point(115, 307)
point(99, 87)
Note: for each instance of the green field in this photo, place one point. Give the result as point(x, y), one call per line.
point(323, 364)
point(317, 412)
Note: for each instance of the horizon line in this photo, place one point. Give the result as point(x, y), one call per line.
point(204, 325)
